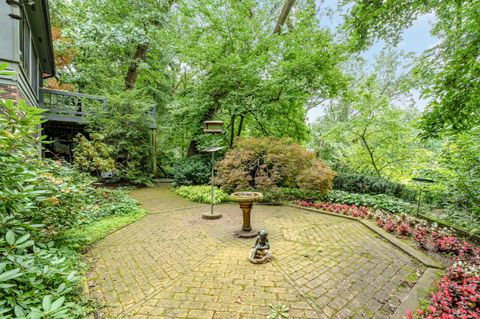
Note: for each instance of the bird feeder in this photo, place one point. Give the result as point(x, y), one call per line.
point(213, 127)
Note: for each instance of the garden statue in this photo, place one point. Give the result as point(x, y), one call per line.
point(260, 253)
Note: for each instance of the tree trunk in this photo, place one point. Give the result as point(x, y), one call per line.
point(372, 158)
point(192, 148)
point(232, 130)
point(240, 125)
point(283, 16)
point(132, 73)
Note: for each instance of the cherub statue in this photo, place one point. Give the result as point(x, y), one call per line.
point(260, 244)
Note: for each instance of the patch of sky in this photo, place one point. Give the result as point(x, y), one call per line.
point(415, 39)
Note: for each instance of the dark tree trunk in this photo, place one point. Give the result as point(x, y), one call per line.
point(132, 73)
point(192, 149)
point(232, 130)
point(240, 125)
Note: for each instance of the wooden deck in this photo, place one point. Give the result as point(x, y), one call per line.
point(63, 106)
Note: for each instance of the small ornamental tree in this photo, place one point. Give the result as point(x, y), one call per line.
point(264, 164)
point(94, 155)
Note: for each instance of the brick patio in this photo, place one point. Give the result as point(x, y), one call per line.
point(173, 264)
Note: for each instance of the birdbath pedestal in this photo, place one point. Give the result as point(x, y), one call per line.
point(246, 200)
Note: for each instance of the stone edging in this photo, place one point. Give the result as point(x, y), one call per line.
point(418, 292)
point(175, 209)
point(425, 281)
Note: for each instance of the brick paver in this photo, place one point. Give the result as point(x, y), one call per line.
point(176, 265)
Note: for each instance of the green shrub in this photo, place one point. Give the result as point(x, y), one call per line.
point(366, 184)
point(38, 279)
point(94, 155)
point(203, 194)
point(125, 127)
point(265, 164)
point(300, 194)
point(382, 201)
point(195, 170)
point(39, 202)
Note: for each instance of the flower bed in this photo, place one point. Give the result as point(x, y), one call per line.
point(458, 292)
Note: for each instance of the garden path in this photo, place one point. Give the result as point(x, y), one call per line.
point(174, 264)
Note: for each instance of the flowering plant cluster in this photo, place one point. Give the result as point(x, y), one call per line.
point(458, 292)
point(420, 235)
point(457, 295)
point(344, 209)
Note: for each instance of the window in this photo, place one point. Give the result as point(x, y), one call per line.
point(34, 73)
point(27, 47)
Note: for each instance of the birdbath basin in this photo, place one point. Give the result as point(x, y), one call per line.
point(246, 200)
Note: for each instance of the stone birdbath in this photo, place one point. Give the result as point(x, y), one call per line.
point(246, 200)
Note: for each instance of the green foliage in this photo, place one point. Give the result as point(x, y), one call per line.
point(291, 194)
point(91, 233)
point(265, 164)
point(381, 201)
point(195, 170)
point(100, 42)
point(72, 201)
point(366, 131)
point(460, 164)
point(231, 66)
point(384, 202)
point(279, 311)
point(367, 184)
point(203, 194)
point(94, 155)
point(452, 86)
point(33, 272)
point(126, 127)
point(40, 275)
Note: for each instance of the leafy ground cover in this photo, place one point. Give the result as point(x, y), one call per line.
point(381, 201)
point(457, 294)
point(203, 194)
point(48, 213)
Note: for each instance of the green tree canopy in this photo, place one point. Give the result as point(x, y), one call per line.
point(449, 72)
point(231, 65)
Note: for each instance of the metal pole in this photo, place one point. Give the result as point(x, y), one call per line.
point(211, 208)
point(419, 199)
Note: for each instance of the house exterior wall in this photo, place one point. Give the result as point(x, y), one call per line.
point(27, 79)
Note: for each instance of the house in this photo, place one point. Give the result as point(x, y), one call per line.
point(26, 45)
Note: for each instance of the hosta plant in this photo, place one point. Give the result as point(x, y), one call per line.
point(203, 194)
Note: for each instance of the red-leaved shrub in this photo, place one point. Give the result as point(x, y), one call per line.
point(265, 164)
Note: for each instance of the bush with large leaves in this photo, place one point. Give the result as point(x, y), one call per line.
point(265, 164)
point(38, 273)
point(35, 276)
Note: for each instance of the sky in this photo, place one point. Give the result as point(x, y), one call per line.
point(416, 39)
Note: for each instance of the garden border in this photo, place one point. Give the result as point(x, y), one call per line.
point(424, 259)
point(419, 290)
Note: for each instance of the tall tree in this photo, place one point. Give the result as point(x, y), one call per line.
point(117, 44)
point(370, 128)
point(453, 84)
point(231, 66)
